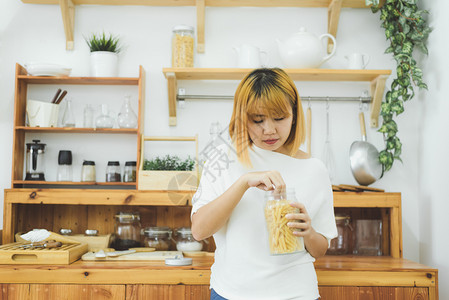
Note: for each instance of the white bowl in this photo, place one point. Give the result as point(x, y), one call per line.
point(45, 69)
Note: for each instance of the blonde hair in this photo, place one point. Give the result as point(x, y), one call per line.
point(271, 90)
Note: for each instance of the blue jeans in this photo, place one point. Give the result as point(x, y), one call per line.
point(215, 296)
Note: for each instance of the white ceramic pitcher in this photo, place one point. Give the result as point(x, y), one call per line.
point(357, 60)
point(249, 56)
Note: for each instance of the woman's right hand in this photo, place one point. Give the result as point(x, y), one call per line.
point(266, 180)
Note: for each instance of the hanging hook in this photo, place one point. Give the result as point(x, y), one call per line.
point(361, 104)
point(327, 103)
point(308, 102)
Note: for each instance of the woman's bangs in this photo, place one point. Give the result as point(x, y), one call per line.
point(274, 105)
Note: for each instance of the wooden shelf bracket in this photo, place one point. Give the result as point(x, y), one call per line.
point(377, 92)
point(333, 16)
point(200, 22)
point(172, 90)
point(68, 18)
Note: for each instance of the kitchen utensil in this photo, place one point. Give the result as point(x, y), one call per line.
point(364, 158)
point(249, 56)
point(61, 97)
point(56, 96)
point(328, 155)
point(137, 256)
point(45, 244)
point(309, 130)
point(119, 253)
point(305, 50)
point(41, 114)
point(357, 60)
point(64, 166)
point(35, 161)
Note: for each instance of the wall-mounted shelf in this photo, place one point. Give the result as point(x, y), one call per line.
point(376, 78)
point(334, 7)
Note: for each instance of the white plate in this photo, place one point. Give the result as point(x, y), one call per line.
point(44, 69)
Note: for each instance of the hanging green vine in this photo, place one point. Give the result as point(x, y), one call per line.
point(406, 29)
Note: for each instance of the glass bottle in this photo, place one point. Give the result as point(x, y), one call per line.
point(88, 120)
point(127, 118)
point(104, 120)
point(113, 173)
point(88, 171)
point(129, 174)
point(280, 237)
point(127, 231)
point(182, 46)
point(340, 244)
point(158, 238)
point(64, 165)
point(68, 118)
point(185, 241)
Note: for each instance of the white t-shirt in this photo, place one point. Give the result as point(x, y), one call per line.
point(243, 267)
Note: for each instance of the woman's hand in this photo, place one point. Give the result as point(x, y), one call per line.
point(301, 224)
point(266, 180)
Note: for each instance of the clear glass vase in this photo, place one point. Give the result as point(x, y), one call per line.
point(104, 120)
point(127, 118)
point(68, 118)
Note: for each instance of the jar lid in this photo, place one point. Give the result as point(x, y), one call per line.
point(184, 230)
point(130, 163)
point(88, 163)
point(65, 157)
point(113, 163)
point(128, 216)
point(183, 27)
point(152, 231)
point(36, 145)
point(342, 217)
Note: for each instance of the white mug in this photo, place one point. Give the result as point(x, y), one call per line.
point(250, 56)
point(357, 61)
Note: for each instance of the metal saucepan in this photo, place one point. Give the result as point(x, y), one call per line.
point(364, 158)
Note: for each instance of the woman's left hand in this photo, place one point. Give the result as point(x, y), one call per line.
point(300, 222)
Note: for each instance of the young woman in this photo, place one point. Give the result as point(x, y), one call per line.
point(267, 128)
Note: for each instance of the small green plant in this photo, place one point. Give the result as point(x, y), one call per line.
point(169, 163)
point(101, 42)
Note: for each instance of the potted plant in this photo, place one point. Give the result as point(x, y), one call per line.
point(168, 173)
point(104, 51)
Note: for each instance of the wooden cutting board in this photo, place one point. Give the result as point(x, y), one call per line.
point(359, 188)
point(155, 255)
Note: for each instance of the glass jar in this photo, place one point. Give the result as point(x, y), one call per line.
point(340, 244)
point(64, 166)
point(127, 231)
point(185, 241)
point(113, 172)
point(158, 238)
point(88, 171)
point(280, 237)
point(129, 174)
point(368, 237)
point(182, 47)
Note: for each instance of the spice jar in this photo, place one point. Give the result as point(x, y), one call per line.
point(280, 236)
point(129, 174)
point(182, 47)
point(113, 173)
point(127, 231)
point(340, 244)
point(158, 238)
point(88, 171)
point(185, 241)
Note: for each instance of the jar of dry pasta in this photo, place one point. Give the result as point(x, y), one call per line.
point(280, 237)
point(182, 47)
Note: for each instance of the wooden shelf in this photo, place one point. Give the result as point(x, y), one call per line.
point(36, 182)
point(333, 6)
point(77, 130)
point(376, 79)
point(79, 80)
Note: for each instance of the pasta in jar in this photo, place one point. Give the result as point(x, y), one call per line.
point(280, 236)
point(182, 47)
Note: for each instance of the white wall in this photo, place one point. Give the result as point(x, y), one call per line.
point(35, 33)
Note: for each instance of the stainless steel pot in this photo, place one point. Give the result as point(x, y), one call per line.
point(364, 158)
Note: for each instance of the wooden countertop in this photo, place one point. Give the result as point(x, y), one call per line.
point(331, 270)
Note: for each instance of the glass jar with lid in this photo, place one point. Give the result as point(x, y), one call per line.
point(185, 241)
point(281, 239)
point(340, 244)
point(113, 172)
point(158, 238)
point(182, 46)
point(129, 174)
point(88, 171)
point(127, 231)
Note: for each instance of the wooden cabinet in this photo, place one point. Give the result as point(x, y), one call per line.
point(21, 129)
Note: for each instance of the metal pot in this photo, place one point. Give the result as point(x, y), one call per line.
point(364, 158)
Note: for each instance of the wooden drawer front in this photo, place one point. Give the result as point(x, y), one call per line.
point(167, 292)
point(14, 291)
point(373, 293)
point(76, 291)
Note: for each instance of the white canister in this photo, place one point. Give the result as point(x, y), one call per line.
point(42, 114)
point(357, 61)
point(103, 64)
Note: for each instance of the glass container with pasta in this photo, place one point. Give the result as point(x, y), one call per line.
point(182, 47)
point(280, 236)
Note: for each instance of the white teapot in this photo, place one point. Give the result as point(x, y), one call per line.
point(304, 50)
